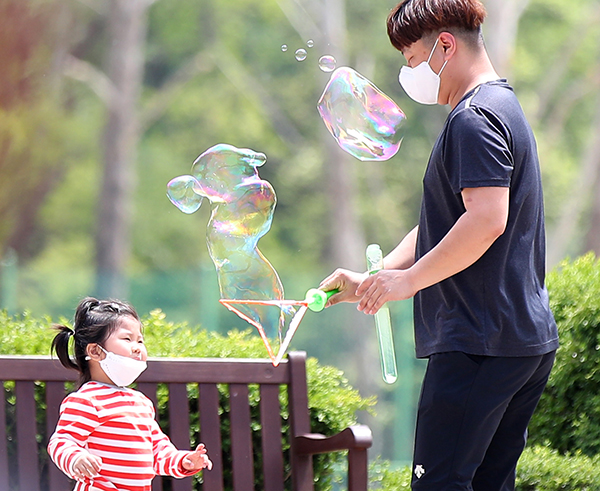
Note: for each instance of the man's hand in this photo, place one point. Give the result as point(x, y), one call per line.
point(346, 282)
point(87, 465)
point(197, 460)
point(384, 286)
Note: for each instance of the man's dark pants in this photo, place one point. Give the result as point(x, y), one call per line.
point(472, 420)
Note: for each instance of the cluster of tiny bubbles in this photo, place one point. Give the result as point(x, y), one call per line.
point(365, 122)
point(301, 54)
point(327, 63)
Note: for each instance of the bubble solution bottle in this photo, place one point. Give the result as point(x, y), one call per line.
point(382, 322)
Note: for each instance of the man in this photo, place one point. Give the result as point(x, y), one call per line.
point(475, 263)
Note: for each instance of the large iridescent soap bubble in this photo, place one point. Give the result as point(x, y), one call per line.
point(242, 206)
point(365, 122)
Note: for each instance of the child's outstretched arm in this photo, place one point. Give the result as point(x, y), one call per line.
point(169, 461)
point(197, 460)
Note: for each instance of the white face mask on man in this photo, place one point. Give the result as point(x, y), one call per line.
point(122, 370)
point(421, 83)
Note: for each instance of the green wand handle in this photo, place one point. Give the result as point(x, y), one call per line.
point(382, 322)
point(316, 299)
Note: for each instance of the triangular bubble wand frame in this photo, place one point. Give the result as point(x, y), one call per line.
point(315, 301)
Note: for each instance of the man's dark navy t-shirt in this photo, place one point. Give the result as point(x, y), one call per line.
point(499, 305)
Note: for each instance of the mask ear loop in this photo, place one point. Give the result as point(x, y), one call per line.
point(431, 55)
point(443, 66)
point(432, 50)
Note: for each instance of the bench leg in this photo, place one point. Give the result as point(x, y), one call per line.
point(302, 477)
point(358, 472)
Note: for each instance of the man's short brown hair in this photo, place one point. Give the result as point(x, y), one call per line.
point(412, 20)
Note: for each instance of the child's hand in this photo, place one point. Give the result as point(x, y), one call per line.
point(197, 460)
point(87, 465)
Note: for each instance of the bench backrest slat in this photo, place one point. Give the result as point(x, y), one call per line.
point(29, 475)
point(241, 438)
point(3, 441)
point(179, 427)
point(300, 422)
point(210, 434)
point(270, 420)
point(150, 391)
point(55, 393)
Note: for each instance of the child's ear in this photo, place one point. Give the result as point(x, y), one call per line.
point(94, 352)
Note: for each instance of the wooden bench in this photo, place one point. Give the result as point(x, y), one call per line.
point(37, 381)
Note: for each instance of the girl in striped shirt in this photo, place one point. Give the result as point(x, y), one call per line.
point(107, 437)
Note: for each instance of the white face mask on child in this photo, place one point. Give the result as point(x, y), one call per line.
point(122, 370)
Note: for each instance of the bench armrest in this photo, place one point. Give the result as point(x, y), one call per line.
point(357, 437)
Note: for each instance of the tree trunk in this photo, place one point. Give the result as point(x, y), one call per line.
point(592, 239)
point(347, 241)
point(127, 32)
point(501, 31)
point(585, 186)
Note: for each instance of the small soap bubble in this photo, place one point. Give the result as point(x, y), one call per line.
point(310, 43)
point(182, 191)
point(301, 54)
point(284, 47)
point(259, 159)
point(574, 355)
point(327, 63)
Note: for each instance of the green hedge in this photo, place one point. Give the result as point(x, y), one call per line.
point(540, 469)
point(568, 416)
point(332, 401)
point(544, 469)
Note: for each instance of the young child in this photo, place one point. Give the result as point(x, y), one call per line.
point(107, 437)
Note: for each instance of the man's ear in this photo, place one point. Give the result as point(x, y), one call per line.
point(448, 43)
point(94, 352)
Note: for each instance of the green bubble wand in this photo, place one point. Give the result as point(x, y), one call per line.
point(383, 324)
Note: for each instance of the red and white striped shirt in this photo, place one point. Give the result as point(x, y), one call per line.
point(117, 424)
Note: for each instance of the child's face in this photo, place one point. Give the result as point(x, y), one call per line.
point(127, 339)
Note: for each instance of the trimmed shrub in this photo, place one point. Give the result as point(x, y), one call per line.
point(539, 469)
point(545, 469)
point(568, 416)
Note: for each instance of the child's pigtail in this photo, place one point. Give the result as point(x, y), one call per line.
point(60, 345)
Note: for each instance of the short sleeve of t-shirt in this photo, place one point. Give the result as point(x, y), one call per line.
point(478, 152)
